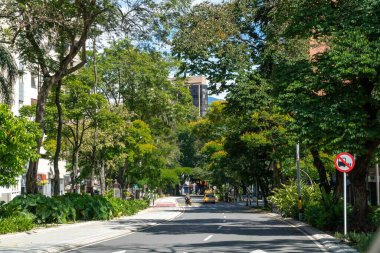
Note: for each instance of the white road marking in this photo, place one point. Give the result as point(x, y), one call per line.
point(224, 217)
point(208, 238)
point(308, 236)
point(219, 227)
point(121, 251)
point(258, 251)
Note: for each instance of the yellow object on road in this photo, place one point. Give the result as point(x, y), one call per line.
point(209, 198)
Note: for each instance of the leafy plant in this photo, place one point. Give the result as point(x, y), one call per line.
point(16, 223)
point(375, 217)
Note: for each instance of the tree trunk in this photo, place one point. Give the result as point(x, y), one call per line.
point(75, 169)
point(276, 174)
point(31, 174)
point(359, 188)
point(121, 176)
point(102, 178)
point(95, 164)
point(59, 140)
point(318, 164)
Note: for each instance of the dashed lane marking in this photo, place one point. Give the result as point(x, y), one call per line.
point(219, 227)
point(208, 238)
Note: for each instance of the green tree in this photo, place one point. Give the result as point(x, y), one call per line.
point(8, 74)
point(41, 29)
point(17, 143)
point(327, 75)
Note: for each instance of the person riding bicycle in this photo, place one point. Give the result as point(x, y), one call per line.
point(187, 200)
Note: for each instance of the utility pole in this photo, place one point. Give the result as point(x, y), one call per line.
point(299, 204)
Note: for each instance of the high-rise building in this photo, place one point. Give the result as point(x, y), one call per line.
point(199, 92)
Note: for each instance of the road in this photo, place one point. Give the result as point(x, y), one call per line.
point(217, 227)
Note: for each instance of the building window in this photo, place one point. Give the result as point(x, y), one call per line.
point(33, 81)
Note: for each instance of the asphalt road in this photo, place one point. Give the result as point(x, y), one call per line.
point(217, 227)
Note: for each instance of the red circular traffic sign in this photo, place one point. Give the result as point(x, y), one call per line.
point(344, 162)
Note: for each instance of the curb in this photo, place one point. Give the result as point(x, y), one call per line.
point(330, 243)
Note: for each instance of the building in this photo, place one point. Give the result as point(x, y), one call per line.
point(199, 93)
point(25, 93)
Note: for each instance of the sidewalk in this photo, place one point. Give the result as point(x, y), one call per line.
point(70, 236)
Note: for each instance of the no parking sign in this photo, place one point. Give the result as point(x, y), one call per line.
point(344, 162)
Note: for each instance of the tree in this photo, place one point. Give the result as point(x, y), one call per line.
point(51, 38)
point(317, 55)
point(17, 143)
point(335, 58)
point(138, 80)
point(42, 29)
point(217, 40)
point(8, 74)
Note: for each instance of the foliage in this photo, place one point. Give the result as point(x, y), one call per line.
point(8, 74)
point(16, 223)
point(69, 208)
point(17, 145)
point(360, 241)
point(326, 213)
point(169, 178)
point(285, 199)
point(375, 217)
point(320, 210)
point(45, 209)
point(217, 40)
point(126, 207)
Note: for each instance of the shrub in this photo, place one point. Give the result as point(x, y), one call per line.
point(326, 213)
point(89, 207)
point(360, 241)
point(320, 210)
point(375, 217)
point(286, 198)
point(127, 207)
point(69, 207)
point(21, 222)
point(45, 209)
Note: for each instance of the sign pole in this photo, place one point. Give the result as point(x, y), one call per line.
point(299, 203)
point(344, 162)
point(345, 201)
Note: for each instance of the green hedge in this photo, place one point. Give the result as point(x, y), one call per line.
point(39, 209)
point(127, 207)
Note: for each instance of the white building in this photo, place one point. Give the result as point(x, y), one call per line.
point(25, 93)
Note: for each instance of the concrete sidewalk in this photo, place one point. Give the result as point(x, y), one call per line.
point(71, 236)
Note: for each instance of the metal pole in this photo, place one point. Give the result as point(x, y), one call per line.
point(377, 184)
point(299, 204)
point(345, 202)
